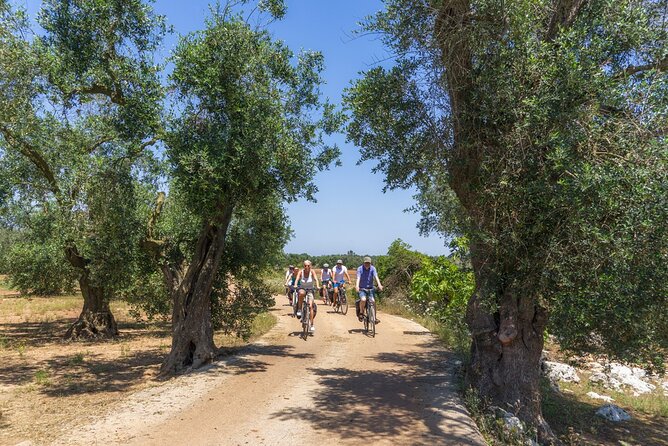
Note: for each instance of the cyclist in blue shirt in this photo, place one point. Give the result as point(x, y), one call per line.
point(364, 286)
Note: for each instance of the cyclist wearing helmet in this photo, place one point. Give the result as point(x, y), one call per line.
point(340, 273)
point(308, 281)
point(364, 286)
point(326, 282)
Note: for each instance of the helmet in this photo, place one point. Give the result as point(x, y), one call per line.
point(326, 265)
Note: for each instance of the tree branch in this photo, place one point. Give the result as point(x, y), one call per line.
point(30, 152)
point(114, 95)
point(661, 65)
point(99, 143)
point(565, 13)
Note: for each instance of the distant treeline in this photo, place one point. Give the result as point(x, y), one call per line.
point(350, 259)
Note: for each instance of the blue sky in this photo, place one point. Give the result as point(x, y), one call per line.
point(327, 26)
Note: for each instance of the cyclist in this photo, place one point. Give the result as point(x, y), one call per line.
point(288, 273)
point(340, 273)
point(325, 282)
point(366, 274)
point(291, 283)
point(308, 281)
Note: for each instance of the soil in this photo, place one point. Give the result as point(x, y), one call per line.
point(339, 386)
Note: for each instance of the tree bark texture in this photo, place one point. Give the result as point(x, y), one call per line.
point(192, 327)
point(507, 343)
point(96, 319)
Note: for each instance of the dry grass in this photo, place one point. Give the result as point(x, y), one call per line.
point(49, 384)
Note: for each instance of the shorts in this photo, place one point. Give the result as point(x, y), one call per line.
point(339, 283)
point(310, 295)
point(364, 294)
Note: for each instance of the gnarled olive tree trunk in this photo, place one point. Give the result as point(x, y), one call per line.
point(507, 342)
point(192, 327)
point(96, 319)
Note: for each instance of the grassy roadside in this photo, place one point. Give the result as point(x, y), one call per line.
point(49, 383)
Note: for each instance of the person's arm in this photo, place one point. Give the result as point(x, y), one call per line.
point(357, 282)
point(315, 277)
point(380, 287)
point(299, 277)
point(345, 272)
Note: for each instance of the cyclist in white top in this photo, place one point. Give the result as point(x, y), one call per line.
point(325, 282)
point(288, 274)
point(308, 281)
point(340, 272)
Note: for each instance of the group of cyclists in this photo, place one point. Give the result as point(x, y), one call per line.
point(303, 283)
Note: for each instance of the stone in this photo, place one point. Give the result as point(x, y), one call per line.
point(617, 376)
point(613, 413)
point(557, 371)
point(513, 426)
point(596, 396)
point(664, 385)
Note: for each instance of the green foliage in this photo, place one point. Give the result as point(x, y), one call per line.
point(35, 261)
point(8, 238)
point(39, 268)
point(252, 119)
point(397, 268)
point(246, 134)
point(350, 259)
point(443, 289)
point(79, 104)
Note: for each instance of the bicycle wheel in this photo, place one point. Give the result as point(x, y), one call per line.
point(372, 319)
point(343, 302)
point(365, 316)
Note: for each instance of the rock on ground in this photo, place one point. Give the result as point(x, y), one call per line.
point(617, 376)
point(613, 413)
point(557, 371)
point(596, 396)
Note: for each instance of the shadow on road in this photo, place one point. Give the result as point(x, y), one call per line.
point(402, 401)
point(248, 361)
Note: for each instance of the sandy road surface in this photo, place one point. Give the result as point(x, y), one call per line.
point(338, 387)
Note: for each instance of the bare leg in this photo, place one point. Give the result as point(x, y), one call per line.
point(302, 293)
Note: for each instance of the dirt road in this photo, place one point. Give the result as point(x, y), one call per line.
point(338, 387)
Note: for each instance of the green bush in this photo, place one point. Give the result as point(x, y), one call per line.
point(40, 269)
point(442, 289)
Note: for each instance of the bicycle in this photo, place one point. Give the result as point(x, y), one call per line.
point(342, 301)
point(326, 292)
point(294, 301)
point(369, 315)
point(306, 314)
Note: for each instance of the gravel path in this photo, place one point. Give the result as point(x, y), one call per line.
point(339, 387)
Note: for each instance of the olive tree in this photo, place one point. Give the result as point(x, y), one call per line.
point(248, 127)
point(79, 105)
point(538, 129)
